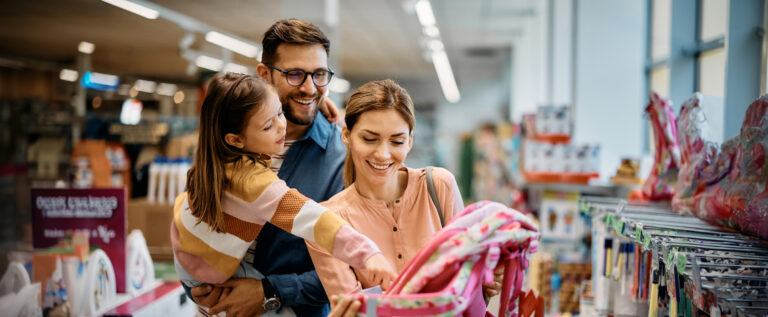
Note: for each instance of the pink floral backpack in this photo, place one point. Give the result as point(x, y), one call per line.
point(445, 278)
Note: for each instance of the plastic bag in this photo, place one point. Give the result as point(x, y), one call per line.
point(658, 185)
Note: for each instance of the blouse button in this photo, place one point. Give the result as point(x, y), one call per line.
point(394, 229)
point(399, 256)
point(397, 201)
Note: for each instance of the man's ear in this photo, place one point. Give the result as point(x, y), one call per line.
point(264, 72)
point(234, 140)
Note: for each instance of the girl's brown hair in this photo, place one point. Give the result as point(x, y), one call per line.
point(372, 96)
point(230, 101)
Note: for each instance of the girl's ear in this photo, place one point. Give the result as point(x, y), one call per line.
point(234, 140)
point(345, 135)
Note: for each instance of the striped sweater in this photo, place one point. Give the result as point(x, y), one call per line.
point(253, 196)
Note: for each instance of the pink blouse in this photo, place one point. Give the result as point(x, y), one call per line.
point(400, 230)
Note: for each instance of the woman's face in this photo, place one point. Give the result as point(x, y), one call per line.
point(378, 145)
point(264, 133)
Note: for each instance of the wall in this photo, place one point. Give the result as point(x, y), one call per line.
point(609, 80)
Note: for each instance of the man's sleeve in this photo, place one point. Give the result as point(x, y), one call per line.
point(299, 289)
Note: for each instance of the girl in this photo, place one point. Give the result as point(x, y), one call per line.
point(232, 192)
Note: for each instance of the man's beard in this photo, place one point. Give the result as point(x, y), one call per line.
point(293, 118)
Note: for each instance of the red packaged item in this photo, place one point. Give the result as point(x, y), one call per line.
point(658, 185)
point(725, 185)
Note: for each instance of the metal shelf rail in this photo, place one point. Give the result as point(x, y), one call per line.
point(675, 265)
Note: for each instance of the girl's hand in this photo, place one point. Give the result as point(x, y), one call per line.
point(382, 271)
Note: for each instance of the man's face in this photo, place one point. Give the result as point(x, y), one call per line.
point(300, 103)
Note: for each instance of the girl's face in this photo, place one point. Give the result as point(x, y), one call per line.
point(378, 145)
point(264, 132)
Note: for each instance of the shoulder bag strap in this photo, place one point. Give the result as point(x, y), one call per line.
point(433, 195)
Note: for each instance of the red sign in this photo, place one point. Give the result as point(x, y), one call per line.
point(101, 211)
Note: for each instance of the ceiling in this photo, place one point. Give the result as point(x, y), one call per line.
point(375, 38)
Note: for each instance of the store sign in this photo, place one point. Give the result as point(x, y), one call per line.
point(101, 211)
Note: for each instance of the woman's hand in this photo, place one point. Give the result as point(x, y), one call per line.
point(344, 307)
point(493, 289)
point(246, 298)
point(381, 270)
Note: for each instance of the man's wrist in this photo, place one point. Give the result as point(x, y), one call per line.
point(272, 300)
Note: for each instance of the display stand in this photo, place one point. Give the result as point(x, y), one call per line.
point(663, 261)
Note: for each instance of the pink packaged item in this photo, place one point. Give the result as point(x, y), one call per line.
point(658, 185)
point(725, 185)
point(446, 276)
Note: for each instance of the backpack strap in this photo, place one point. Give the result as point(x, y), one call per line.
point(433, 195)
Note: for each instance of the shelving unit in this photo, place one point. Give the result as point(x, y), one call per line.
point(698, 267)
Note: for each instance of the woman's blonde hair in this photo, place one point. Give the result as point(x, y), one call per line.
point(372, 96)
point(230, 101)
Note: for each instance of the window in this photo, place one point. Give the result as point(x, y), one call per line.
point(713, 22)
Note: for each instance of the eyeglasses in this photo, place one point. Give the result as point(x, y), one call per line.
point(297, 77)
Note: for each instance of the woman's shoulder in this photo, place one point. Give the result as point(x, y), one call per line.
point(340, 202)
point(440, 175)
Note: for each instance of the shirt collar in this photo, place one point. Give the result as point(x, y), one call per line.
point(319, 132)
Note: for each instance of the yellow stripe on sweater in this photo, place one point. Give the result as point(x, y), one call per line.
point(326, 228)
point(222, 242)
point(248, 180)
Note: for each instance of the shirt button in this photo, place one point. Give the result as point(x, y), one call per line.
point(399, 256)
point(397, 201)
point(394, 229)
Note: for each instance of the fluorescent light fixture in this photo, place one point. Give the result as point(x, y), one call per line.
point(68, 75)
point(208, 62)
point(86, 47)
point(232, 44)
point(147, 86)
point(436, 45)
point(339, 85)
point(445, 76)
point(236, 68)
point(100, 81)
point(431, 31)
point(166, 89)
point(424, 13)
point(134, 8)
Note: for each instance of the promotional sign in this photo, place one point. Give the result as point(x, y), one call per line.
point(101, 211)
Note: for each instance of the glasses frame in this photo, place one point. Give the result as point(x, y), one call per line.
point(306, 73)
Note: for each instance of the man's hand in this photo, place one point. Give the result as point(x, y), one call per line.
point(246, 298)
point(493, 289)
point(344, 307)
point(382, 271)
point(208, 295)
point(329, 110)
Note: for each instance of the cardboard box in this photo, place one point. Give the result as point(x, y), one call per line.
point(154, 221)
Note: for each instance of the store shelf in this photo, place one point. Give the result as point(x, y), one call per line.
point(715, 270)
point(595, 190)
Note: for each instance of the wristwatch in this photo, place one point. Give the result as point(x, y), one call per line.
point(271, 300)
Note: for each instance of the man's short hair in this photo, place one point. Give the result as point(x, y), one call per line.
point(291, 31)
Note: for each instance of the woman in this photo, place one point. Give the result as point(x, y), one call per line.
point(383, 199)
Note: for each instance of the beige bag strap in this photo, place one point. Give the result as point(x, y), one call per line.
point(433, 195)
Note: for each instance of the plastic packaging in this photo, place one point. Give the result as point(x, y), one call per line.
point(658, 185)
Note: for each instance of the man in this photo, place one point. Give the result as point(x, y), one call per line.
point(295, 62)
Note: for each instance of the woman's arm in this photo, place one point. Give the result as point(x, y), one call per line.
point(337, 277)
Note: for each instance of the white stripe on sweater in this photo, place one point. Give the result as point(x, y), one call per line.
point(225, 243)
point(306, 219)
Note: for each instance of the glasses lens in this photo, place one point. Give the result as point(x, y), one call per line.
point(321, 77)
point(295, 77)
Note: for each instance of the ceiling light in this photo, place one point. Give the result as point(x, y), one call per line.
point(339, 85)
point(134, 8)
point(86, 47)
point(431, 31)
point(178, 97)
point(445, 76)
point(100, 81)
point(232, 44)
point(236, 68)
point(68, 75)
point(208, 62)
point(424, 13)
point(436, 45)
point(166, 89)
point(147, 86)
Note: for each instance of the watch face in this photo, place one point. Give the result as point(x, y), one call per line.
point(271, 304)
